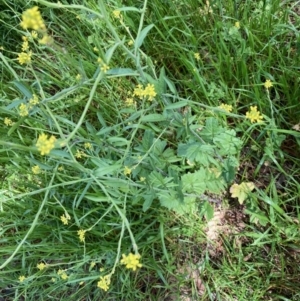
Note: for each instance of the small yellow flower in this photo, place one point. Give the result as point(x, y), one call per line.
point(268, 84)
point(79, 154)
point(34, 34)
point(138, 91)
point(99, 60)
point(53, 279)
point(237, 25)
point(150, 91)
point(96, 49)
point(23, 110)
point(197, 56)
point(25, 46)
point(127, 171)
point(63, 275)
point(60, 168)
point(129, 101)
point(142, 179)
point(36, 169)
point(88, 145)
point(116, 14)
point(34, 100)
point(41, 266)
point(32, 19)
point(253, 115)
point(225, 107)
point(65, 218)
point(46, 40)
point(104, 68)
point(45, 145)
point(81, 234)
point(8, 122)
point(104, 282)
point(130, 43)
point(78, 77)
point(131, 261)
point(24, 57)
point(22, 278)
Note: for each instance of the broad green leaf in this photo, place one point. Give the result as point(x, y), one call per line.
point(140, 38)
point(153, 118)
point(194, 183)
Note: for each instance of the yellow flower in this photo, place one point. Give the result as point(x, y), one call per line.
point(253, 115)
point(227, 108)
point(150, 91)
point(237, 25)
point(81, 234)
point(131, 261)
point(41, 266)
point(65, 218)
point(197, 56)
point(142, 179)
point(63, 275)
point(24, 57)
point(130, 43)
point(34, 34)
point(127, 171)
point(87, 145)
point(116, 14)
point(138, 91)
point(45, 145)
point(129, 101)
point(78, 77)
point(96, 49)
point(79, 154)
point(34, 100)
point(25, 46)
point(31, 18)
point(36, 169)
point(8, 121)
point(104, 68)
point(104, 282)
point(99, 60)
point(23, 110)
point(46, 40)
point(268, 84)
point(60, 168)
point(22, 278)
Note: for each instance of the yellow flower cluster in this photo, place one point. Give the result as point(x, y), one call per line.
point(237, 25)
point(88, 145)
point(45, 145)
point(127, 171)
point(104, 282)
point(24, 57)
point(36, 169)
point(148, 92)
point(253, 115)
point(22, 278)
point(8, 122)
point(81, 234)
point(197, 56)
point(131, 261)
point(41, 266)
point(24, 109)
point(63, 275)
point(268, 84)
point(65, 218)
point(79, 154)
point(225, 107)
point(32, 19)
point(117, 14)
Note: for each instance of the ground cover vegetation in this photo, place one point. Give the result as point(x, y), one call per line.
point(149, 150)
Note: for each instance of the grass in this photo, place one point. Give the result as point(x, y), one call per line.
point(126, 172)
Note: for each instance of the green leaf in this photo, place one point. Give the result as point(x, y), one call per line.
point(153, 118)
point(227, 143)
point(194, 183)
point(140, 38)
point(118, 72)
point(241, 191)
